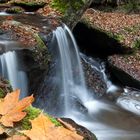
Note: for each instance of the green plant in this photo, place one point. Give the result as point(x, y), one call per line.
point(64, 5)
point(119, 37)
point(136, 44)
point(54, 120)
point(2, 94)
point(32, 113)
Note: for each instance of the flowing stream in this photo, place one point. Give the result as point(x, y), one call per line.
point(104, 118)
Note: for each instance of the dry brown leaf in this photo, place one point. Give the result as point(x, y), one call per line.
point(43, 128)
point(66, 125)
point(11, 108)
point(17, 137)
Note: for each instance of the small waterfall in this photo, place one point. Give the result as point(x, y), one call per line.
point(72, 82)
point(100, 68)
point(10, 70)
point(64, 94)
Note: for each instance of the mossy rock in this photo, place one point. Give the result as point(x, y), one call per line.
point(71, 10)
point(15, 10)
point(30, 6)
point(64, 5)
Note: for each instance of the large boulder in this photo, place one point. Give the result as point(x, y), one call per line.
point(126, 68)
point(122, 27)
point(119, 41)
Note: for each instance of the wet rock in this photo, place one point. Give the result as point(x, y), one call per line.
point(80, 129)
point(5, 87)
point(115, 94)
point(94, 79)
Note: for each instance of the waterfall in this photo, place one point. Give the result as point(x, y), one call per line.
point(65, 94)
point(10, 70)
point(72, 82)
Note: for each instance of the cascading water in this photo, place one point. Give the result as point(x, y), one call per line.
point(72, 99)
point(10, 70)
point(72, 83)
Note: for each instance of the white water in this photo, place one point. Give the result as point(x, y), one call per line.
point(101, 69)
point(10, 70)
point(73, 82)
point(105, 120)
point(4, 14)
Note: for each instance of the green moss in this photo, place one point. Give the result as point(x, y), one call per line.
point(59, 5)
point(119, 38)
point(64, 5)
point(2, 94)
point(30, 4)
point(39, 41)
point(53, 120)
point(132, 29)
point(32, 113)
point(136, 44)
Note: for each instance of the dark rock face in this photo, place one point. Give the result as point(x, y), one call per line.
point(33, 68)
point(80, 129)
point(95, 42)
point(94, 80)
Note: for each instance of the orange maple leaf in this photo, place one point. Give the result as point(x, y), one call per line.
point(43, 128)
point(11, 108)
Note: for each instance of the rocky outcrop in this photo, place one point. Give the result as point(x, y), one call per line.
point(122, 30)
point(126, 68)
point(122, 27)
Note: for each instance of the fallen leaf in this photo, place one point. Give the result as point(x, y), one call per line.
point(66, 125)
point(43, 128)
point(11, 108)
point(17, 137)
